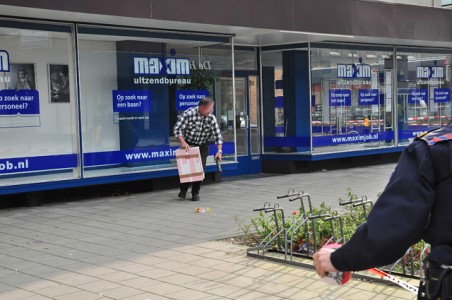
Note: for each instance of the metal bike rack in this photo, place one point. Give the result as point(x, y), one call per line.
point(359, 202)
point(276, 232)
point(280, 241)
point(334, 237)
point(300, 221)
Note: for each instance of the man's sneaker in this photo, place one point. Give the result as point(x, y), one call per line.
point(195, 197)
point(182, 194)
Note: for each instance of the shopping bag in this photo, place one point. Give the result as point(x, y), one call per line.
point(189, 165)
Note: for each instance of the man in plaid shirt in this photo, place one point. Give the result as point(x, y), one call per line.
point(194, 128)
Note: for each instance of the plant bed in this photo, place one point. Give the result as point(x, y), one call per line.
point(314, 235)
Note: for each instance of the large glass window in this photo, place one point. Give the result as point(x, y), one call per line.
point(214, 62)
point(273, 101)
point(134, 84)
point(352, 103)
point(38, 103)
point(254, 114)
point(423, 95)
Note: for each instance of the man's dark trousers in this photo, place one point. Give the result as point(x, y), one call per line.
point(196, 186)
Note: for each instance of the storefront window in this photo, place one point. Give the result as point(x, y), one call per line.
point(245, 59)
point(352, 103)
point(214, 63)
point(38, 103)
point(423, 95)
point(133, 86)
point(273, 102)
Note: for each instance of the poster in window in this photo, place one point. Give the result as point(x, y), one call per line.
point(22, 77)
point(59, 83)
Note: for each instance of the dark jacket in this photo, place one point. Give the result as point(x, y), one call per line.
point(416, 204)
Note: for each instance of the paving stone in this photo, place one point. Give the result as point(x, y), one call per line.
point(56, 291)
point(79, 295)
point(163, 289)
point(122, 292)
point(140, 282)
point(147, 296)
point(189, 295)
point(120, 276)
point(157, 273)
point(98, 286)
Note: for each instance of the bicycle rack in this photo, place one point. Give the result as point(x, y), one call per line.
point(359, 202)
point(276, 232)
point(281, 240)
point(336, 216)
point(300, 221)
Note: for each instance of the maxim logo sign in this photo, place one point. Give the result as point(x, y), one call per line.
point(430, 72)
point(353, 71)
point(161, 66)
point(4, 61)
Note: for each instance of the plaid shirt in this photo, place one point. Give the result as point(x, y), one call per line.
point(197, 129)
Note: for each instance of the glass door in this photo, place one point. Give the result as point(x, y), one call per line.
point(241, 116)
point(253, 112)
point(246, 117)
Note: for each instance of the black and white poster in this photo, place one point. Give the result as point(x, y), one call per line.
point(59, 83)
point(22, 77)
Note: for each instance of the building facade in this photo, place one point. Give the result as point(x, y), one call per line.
point(90, 91)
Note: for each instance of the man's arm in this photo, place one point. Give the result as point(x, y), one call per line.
point(399, 217)
point(178, 130)
point(183, 143)
point(216, 132)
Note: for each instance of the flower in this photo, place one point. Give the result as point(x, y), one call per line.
point(295, 213)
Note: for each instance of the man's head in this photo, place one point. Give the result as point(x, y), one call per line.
point(205, 106)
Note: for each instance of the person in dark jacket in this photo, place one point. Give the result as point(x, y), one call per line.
point(416, 204)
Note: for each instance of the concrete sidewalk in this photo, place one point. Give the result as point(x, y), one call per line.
point(154, 246)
